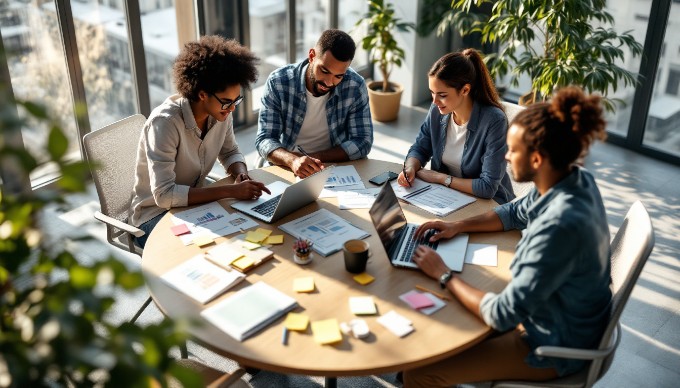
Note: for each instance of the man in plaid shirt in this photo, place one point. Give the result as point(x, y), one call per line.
point(316, 111)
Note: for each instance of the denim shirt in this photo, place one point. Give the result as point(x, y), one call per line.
point(284, 104)
point(483, 153)
point(560, 281)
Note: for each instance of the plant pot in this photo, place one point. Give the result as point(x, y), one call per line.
point(384, 105)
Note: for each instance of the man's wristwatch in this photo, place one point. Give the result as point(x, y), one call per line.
point(447, 181)
point(446, 276)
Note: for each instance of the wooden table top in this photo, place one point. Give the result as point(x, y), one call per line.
point(444, 333)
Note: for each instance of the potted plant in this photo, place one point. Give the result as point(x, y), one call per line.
point(384, 51)
point(555, 43)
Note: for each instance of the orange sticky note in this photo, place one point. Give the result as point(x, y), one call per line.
point(180, 229)
point(363, 278)
point(305, 284)
point(297, 322)
point(202, 241)
point(274, 240)
point(326, 331)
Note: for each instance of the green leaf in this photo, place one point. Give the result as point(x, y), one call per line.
point(57, 143)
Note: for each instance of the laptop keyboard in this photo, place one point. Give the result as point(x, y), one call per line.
point(411, 244)
point(267, 208)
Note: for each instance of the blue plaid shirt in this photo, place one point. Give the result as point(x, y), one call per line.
point(284, 104)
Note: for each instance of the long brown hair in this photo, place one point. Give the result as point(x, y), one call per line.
point(467, 67)
point(563, 128)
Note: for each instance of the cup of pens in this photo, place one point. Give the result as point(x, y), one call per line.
point(302, 251)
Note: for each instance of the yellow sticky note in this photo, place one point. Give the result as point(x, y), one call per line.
point(263, 231)
point(305, 284)
point(243, 263)
point(326, 331)
point(256, 236)
point(295, 321)
point(363, 278)
point(202, 241)
point(249, 245)
point(274, 239)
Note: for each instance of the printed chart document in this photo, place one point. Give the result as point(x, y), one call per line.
point(342, 179)
point(210, 220)
point(327, 230)
point(359, 199)
point(249, 310)
point(436, 199)
point(201, 279)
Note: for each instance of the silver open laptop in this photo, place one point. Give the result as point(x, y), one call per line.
point(396, 234)
point(285, 198)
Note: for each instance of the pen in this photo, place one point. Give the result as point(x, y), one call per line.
point(284, 336)
point(438, 295)
point(303, 152)
point(406, 175)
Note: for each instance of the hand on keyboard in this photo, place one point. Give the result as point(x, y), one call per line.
point(442, 230)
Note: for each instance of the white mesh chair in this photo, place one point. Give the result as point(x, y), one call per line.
point(630, 249)
point(520, 188)
point(112, 152)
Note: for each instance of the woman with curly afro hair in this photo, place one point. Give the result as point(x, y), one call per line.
point(189, 131)
point(559, 292)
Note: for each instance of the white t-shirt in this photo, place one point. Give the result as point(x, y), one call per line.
point(453, 150)
point(314, 136)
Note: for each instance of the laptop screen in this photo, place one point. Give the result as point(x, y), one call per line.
point(387, 217)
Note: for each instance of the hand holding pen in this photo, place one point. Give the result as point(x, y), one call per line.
point(404, 178)
point(306, 165)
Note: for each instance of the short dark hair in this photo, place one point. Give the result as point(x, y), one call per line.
point(212, 64)
point(339, 43)
point(563, 128)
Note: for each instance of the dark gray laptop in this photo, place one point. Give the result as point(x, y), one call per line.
point(396, 234)
point(285, 198)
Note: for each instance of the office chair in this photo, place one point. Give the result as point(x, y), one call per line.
point(630, 249)
point(212, 378)
point(112, 154)
point(520, 188)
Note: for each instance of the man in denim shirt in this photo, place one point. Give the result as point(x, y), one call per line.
point(315, 111)
point(559, 293)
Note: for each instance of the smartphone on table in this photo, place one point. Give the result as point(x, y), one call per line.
point(384, 177)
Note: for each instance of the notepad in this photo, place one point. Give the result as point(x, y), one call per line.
point(416, 300)
point(326, 331)
point(362, 305)
point(297, 322)
point(397, 324)
point(273, 240)
point(232, 254)
point(201, 279)
point(249, 310)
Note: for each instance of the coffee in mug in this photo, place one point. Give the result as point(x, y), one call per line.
point(356, 255)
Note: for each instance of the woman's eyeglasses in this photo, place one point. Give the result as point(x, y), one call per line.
point(227, 104)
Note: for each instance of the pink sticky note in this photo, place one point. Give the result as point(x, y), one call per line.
point(180, 229)
point(417, 300)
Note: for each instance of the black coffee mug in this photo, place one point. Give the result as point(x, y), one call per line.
point(356, 255)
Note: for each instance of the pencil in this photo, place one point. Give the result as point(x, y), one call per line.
point(438, 295)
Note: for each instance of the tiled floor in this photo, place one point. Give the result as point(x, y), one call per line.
point(649, 354)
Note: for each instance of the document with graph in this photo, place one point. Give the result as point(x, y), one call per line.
point(210, 220)
point(436, 199)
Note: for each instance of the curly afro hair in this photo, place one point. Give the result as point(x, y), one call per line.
point(565, 127)
point(212, 64)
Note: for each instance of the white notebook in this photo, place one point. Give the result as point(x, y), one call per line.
point(201, 279)
point(249, 310)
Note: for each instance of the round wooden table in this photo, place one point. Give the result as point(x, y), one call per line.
point(443, 334)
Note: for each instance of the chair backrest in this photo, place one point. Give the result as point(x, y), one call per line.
point(630, 250)
point(519, 188)
point(113, 149)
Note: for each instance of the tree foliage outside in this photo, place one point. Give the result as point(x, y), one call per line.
point(555, 42)
point(53, 330)
point(379, 40)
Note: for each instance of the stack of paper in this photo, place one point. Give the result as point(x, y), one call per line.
point(232, 254)
point(327, 230)
point(207, 222)
point(436, 199)
point(424, 302)
point(249, 310)
point(200, 279)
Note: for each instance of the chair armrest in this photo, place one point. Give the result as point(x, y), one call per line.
point(580, 354)
point(118, 224)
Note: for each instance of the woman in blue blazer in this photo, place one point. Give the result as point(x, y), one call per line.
point(464, 132)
